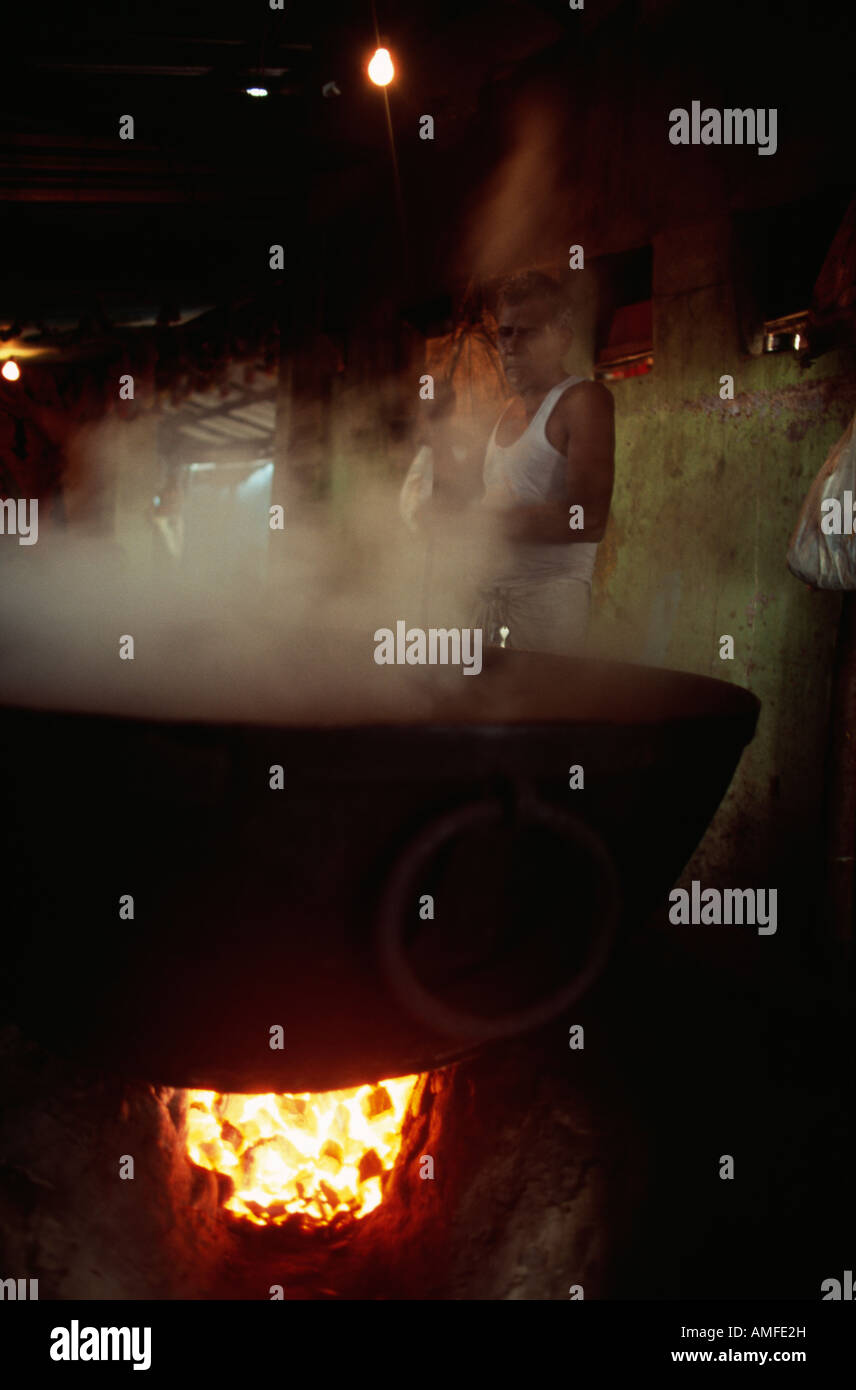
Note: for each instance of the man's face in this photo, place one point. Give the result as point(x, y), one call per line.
point(530, 349)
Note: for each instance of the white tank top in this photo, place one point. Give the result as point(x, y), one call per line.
point(531, 471)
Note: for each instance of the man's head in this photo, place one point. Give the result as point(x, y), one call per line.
point(534, 330)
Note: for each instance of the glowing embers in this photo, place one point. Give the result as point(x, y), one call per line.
point(321, 1156)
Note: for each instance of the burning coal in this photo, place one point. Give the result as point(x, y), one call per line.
point(319, 1156)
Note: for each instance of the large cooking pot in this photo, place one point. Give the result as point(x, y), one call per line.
point(413, 891)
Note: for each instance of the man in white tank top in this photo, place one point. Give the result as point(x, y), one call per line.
point(548, 477)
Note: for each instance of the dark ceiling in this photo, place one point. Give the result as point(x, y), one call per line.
point(185, 210)
point(182, 216)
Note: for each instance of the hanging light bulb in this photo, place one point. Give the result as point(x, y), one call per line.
point(381, 70)
point(10, 370)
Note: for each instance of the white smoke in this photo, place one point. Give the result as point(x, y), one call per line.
point(297, 644)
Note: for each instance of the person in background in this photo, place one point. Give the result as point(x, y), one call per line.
point(168, 523)
point(442, 476)
point(551, 451)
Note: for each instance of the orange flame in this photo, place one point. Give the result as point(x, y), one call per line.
point(319, 1155)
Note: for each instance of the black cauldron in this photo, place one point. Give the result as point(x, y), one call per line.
point(412, 892)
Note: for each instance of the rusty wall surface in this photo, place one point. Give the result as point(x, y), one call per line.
point(707, 494)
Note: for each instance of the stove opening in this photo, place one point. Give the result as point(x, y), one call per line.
point(322, 1158)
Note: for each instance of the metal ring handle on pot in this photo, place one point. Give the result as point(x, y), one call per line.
point(401, 890)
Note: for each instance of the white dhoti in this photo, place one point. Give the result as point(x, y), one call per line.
point(543, 615)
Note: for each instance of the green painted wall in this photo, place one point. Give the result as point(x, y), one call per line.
point(707, 494)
